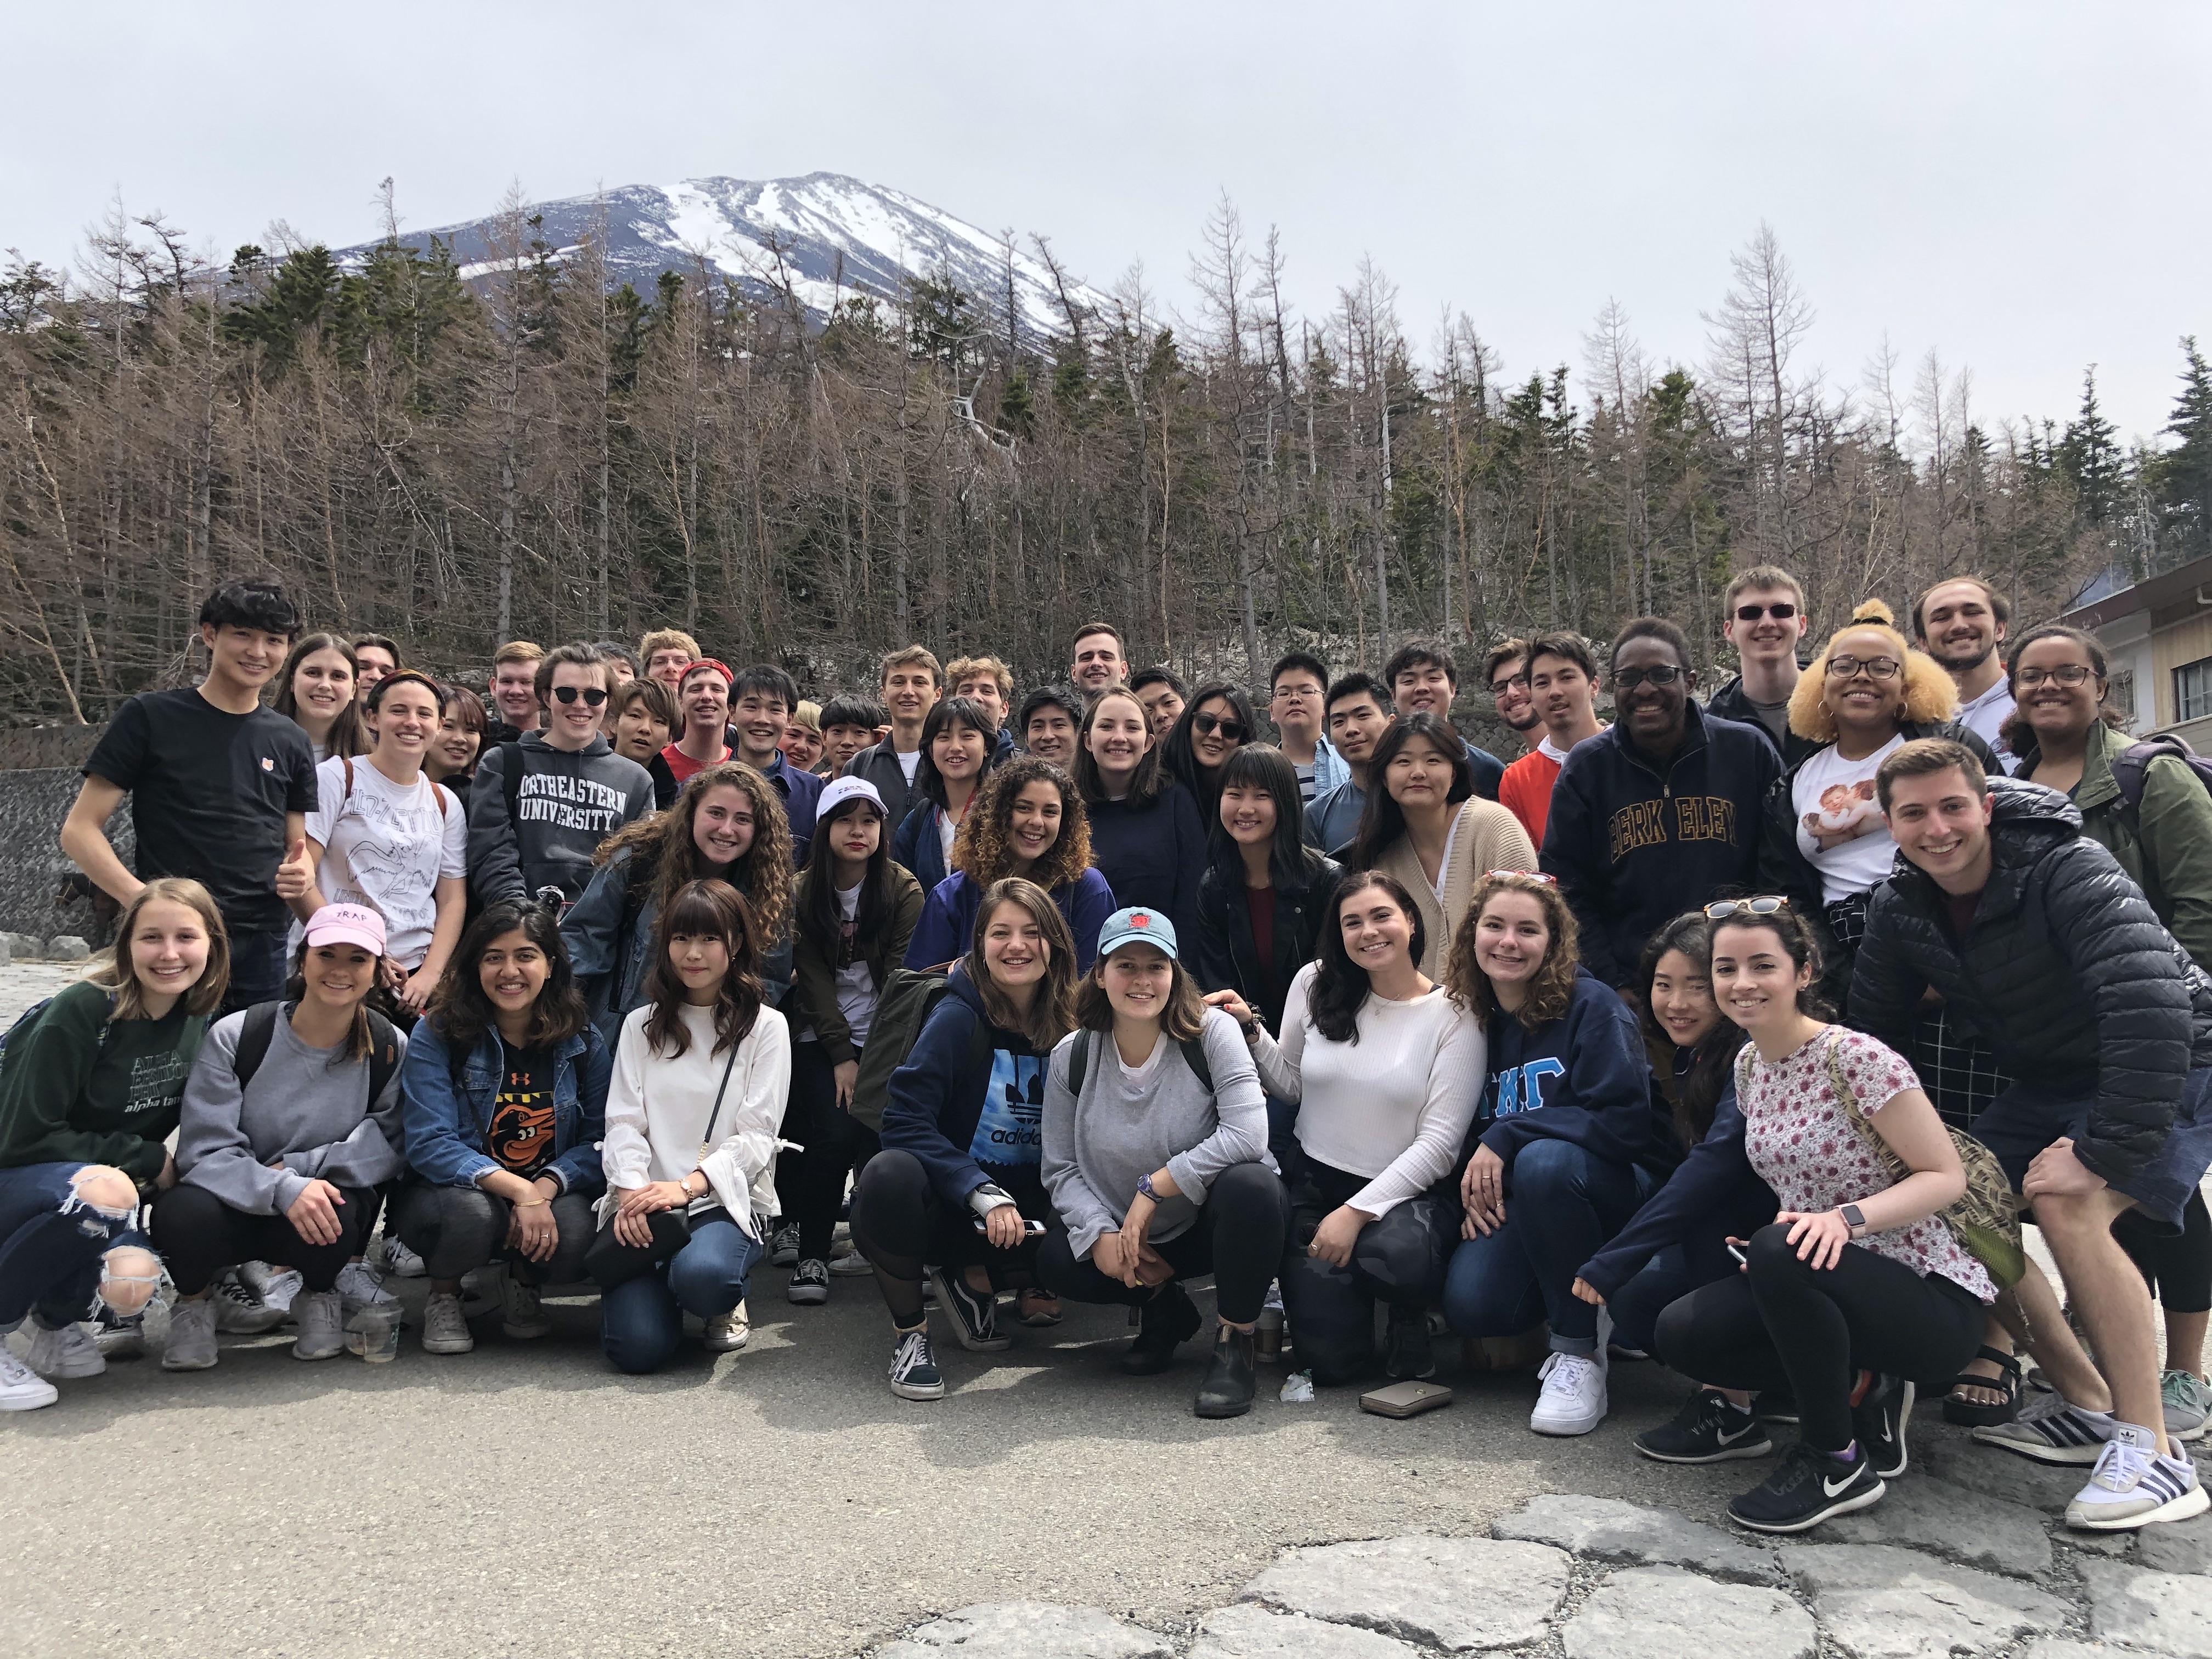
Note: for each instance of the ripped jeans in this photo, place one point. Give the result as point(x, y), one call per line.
point(54, 1244)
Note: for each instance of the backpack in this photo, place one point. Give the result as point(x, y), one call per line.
point(1079, 1061)
point(903, 1006)
point(437, 789)
point(260, 1029)
point(2131, 764)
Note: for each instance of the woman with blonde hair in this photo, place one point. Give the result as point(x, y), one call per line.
point(1571, 1137)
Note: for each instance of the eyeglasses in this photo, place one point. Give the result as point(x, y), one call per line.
point(1206, 725)
point(1722, 909)
point(1513, 683)
point(1295, 693)
point(1521, 875)
point(1627, 679)
point(593, 696)
point(1782, 612)
point(1879, 668)
point(2067, 674)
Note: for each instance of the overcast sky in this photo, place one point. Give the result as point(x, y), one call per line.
point(2025, 187)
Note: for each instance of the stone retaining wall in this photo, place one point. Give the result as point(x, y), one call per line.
point(33, 805)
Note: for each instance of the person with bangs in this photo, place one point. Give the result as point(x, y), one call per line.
point(1146, 838)
point(667, 652)
point(1029, 823)
point(504, 1087)
point(957, 1185)
point(1155, 1156)
point(1426, 827)
point(1383, 1069)
point(853, 912)
point(452, 757)
point(317, 690)
point(727, 825)
point(1568, 1141)
point(1216, 721)
point(701, 1075)
point(642, 719)
point(1263, 900)
point(958, 745)
point(1047, 722)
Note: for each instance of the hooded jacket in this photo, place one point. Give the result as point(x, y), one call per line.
point(948, 918)
point(1714, 1187)
point(1729, 703)
point(879, 765)
point(814, 962)
point(1581, 1077)
point(1633, 842)
point(937, 1098)
point(1222, 954)
point(2064, 970)
point(565, 804)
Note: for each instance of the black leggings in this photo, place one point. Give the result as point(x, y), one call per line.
point(1399, 1258)
point(837, 1144)
point(1237, 1238)
point(457, 1230)
point(900, 1221)
point(2177, 1267)
point(1784, 1322)
point(199, 1236)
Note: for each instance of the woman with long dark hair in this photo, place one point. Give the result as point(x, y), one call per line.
point(958, 743)
point(1146, 837)
point(452, 757)
point(1215, 723)
point(315, 691)
point(1261, 903)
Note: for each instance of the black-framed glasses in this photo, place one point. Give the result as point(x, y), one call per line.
point(1663, 673)
point(1879, 668)
point(1722, 909)
point(2068, 674)
point(1206, 725)
point(593, 696)
point(1781, 613)
point(1510, 683)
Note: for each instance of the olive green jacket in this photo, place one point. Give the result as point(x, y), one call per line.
point(814, 962)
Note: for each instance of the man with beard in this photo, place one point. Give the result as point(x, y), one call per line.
point(1961, 623)
point(1505, 671)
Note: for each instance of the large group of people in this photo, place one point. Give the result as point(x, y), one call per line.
point(1740, 1033)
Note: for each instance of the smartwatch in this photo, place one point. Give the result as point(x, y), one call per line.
point(1854, 1218)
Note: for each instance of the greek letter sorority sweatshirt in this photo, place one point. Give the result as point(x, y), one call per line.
point(1582, 1077)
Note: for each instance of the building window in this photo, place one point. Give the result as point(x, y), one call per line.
point(2192, 691)
point(2121, 694)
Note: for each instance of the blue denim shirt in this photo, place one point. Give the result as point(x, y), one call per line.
point(448, 1119)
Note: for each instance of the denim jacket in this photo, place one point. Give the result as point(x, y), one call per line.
point(448, 1116)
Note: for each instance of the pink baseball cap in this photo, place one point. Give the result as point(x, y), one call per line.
point(347, 924)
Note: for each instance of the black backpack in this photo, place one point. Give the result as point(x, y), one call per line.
point(2130, 764)
point(1079, 1061)
point(260, 1028)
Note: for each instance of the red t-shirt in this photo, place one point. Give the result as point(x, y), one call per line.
point(684, 767)
point(1525, 791)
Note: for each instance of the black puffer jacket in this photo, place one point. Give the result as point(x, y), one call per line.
point(2065, 972)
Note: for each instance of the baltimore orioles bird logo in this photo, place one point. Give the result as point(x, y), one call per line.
point(521, 1123)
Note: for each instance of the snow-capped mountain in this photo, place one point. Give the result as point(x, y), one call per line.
point(833, 235)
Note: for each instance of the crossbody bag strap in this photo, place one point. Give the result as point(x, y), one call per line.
point(707, 1141)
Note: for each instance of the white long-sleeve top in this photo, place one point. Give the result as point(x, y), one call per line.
point(1394, 1106)
point(659, 1104)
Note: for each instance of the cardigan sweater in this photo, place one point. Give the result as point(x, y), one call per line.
point(1485, 837)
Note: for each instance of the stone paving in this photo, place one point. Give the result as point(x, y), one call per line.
point(1976, 1564)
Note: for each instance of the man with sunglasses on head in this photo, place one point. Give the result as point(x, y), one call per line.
point(1762, 617)
point(541, 805)
point(1660, 812)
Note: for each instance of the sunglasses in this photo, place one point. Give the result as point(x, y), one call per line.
point(1535, 876)
point(593, 696)
point(1782, 612)
point(1206, 725)
point(1627, 679)
point(1722, 909)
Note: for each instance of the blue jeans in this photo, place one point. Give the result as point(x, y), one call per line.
point(1562, 1204)
point(259, 965)
point(642, 1323)
point(51, 1245)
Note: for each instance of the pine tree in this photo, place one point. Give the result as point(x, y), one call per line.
point(2181, 478)
point(2090, 455)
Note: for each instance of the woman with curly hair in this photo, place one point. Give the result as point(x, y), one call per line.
point(1567, 1130)
point(1028, 822)
point(727, 825)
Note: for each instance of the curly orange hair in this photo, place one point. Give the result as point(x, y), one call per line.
point(1929, 693)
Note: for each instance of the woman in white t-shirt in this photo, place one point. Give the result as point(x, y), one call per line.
point(1826, 844)
point(384, 835)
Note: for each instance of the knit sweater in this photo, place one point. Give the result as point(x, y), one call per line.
point(1483, 837)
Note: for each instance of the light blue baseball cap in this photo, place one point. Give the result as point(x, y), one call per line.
point(1138, 924)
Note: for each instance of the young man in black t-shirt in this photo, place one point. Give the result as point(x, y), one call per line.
point(220, 787)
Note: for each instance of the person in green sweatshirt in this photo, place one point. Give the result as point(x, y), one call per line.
point(90, 1086)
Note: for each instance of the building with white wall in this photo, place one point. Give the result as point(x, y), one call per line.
point(2157, 637)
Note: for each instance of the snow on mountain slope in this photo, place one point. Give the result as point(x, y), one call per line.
point(835, 234)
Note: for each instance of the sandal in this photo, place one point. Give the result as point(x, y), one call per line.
point(1035, 1308)
point(1974, 1413)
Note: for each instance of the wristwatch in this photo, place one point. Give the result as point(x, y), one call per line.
point(1145, 1186)
point(1853, 1218)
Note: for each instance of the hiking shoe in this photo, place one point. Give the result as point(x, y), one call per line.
point(1407, 1354)
point(1231, 1376)
point(809, 1284)
point(914, 1374)
point(400, 1261)
point(22, 1389)
point(975, 1313)
point(851, 1265)
point(2133, 1486)
point(1809, 1487)
point(1169, 1319)
point(193, 1326)
point(360, 1286)
point(445, 1328)
point(322, 1325)
point(275, 1286)
point(2187, 1403)
point(523, 1315)
point(1573, 1400)
point(239, 1311)
point(2051, 1431)
point(1707, 1430)
point(1879, 1422)
point(783, 1248)
point(66, 1352)
point(727, 1333)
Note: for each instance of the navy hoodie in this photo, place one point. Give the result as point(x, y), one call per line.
point(968, 1103)
point(1633, 843)
point(1152, 855)
point(1582, 1077)
point(1714, 1187)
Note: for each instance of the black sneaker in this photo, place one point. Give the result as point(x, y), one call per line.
point(783, 1246)
point(1168, 1319)
point(1879, 1422)
point(914, 1374)
point(809, 1284)
point(1707, 1430)
point(1809, 1487)
point(1408, 1355)
point(975, 1313)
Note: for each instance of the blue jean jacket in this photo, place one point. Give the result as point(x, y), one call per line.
point(448, 1116)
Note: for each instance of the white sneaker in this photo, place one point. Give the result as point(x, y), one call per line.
point(851, 1265)
point(400, 1261)
point(525, 1316)
point(65, 1352)
point(239, 1311)
point(193, 1326)
point(358, 1286)
point(729, 1332)
point(276, 1287)
point(322, 1325)
point(1574, 1399)
point(22, 1389)
point(2133, 1486)
point(445, 1328)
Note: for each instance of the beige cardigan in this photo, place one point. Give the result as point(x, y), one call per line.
point(1485, 837)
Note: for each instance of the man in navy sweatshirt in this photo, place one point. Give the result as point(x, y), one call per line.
point(1655, 815)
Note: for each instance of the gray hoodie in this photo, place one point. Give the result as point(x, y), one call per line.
point(566, 803)
point(307, 1111)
